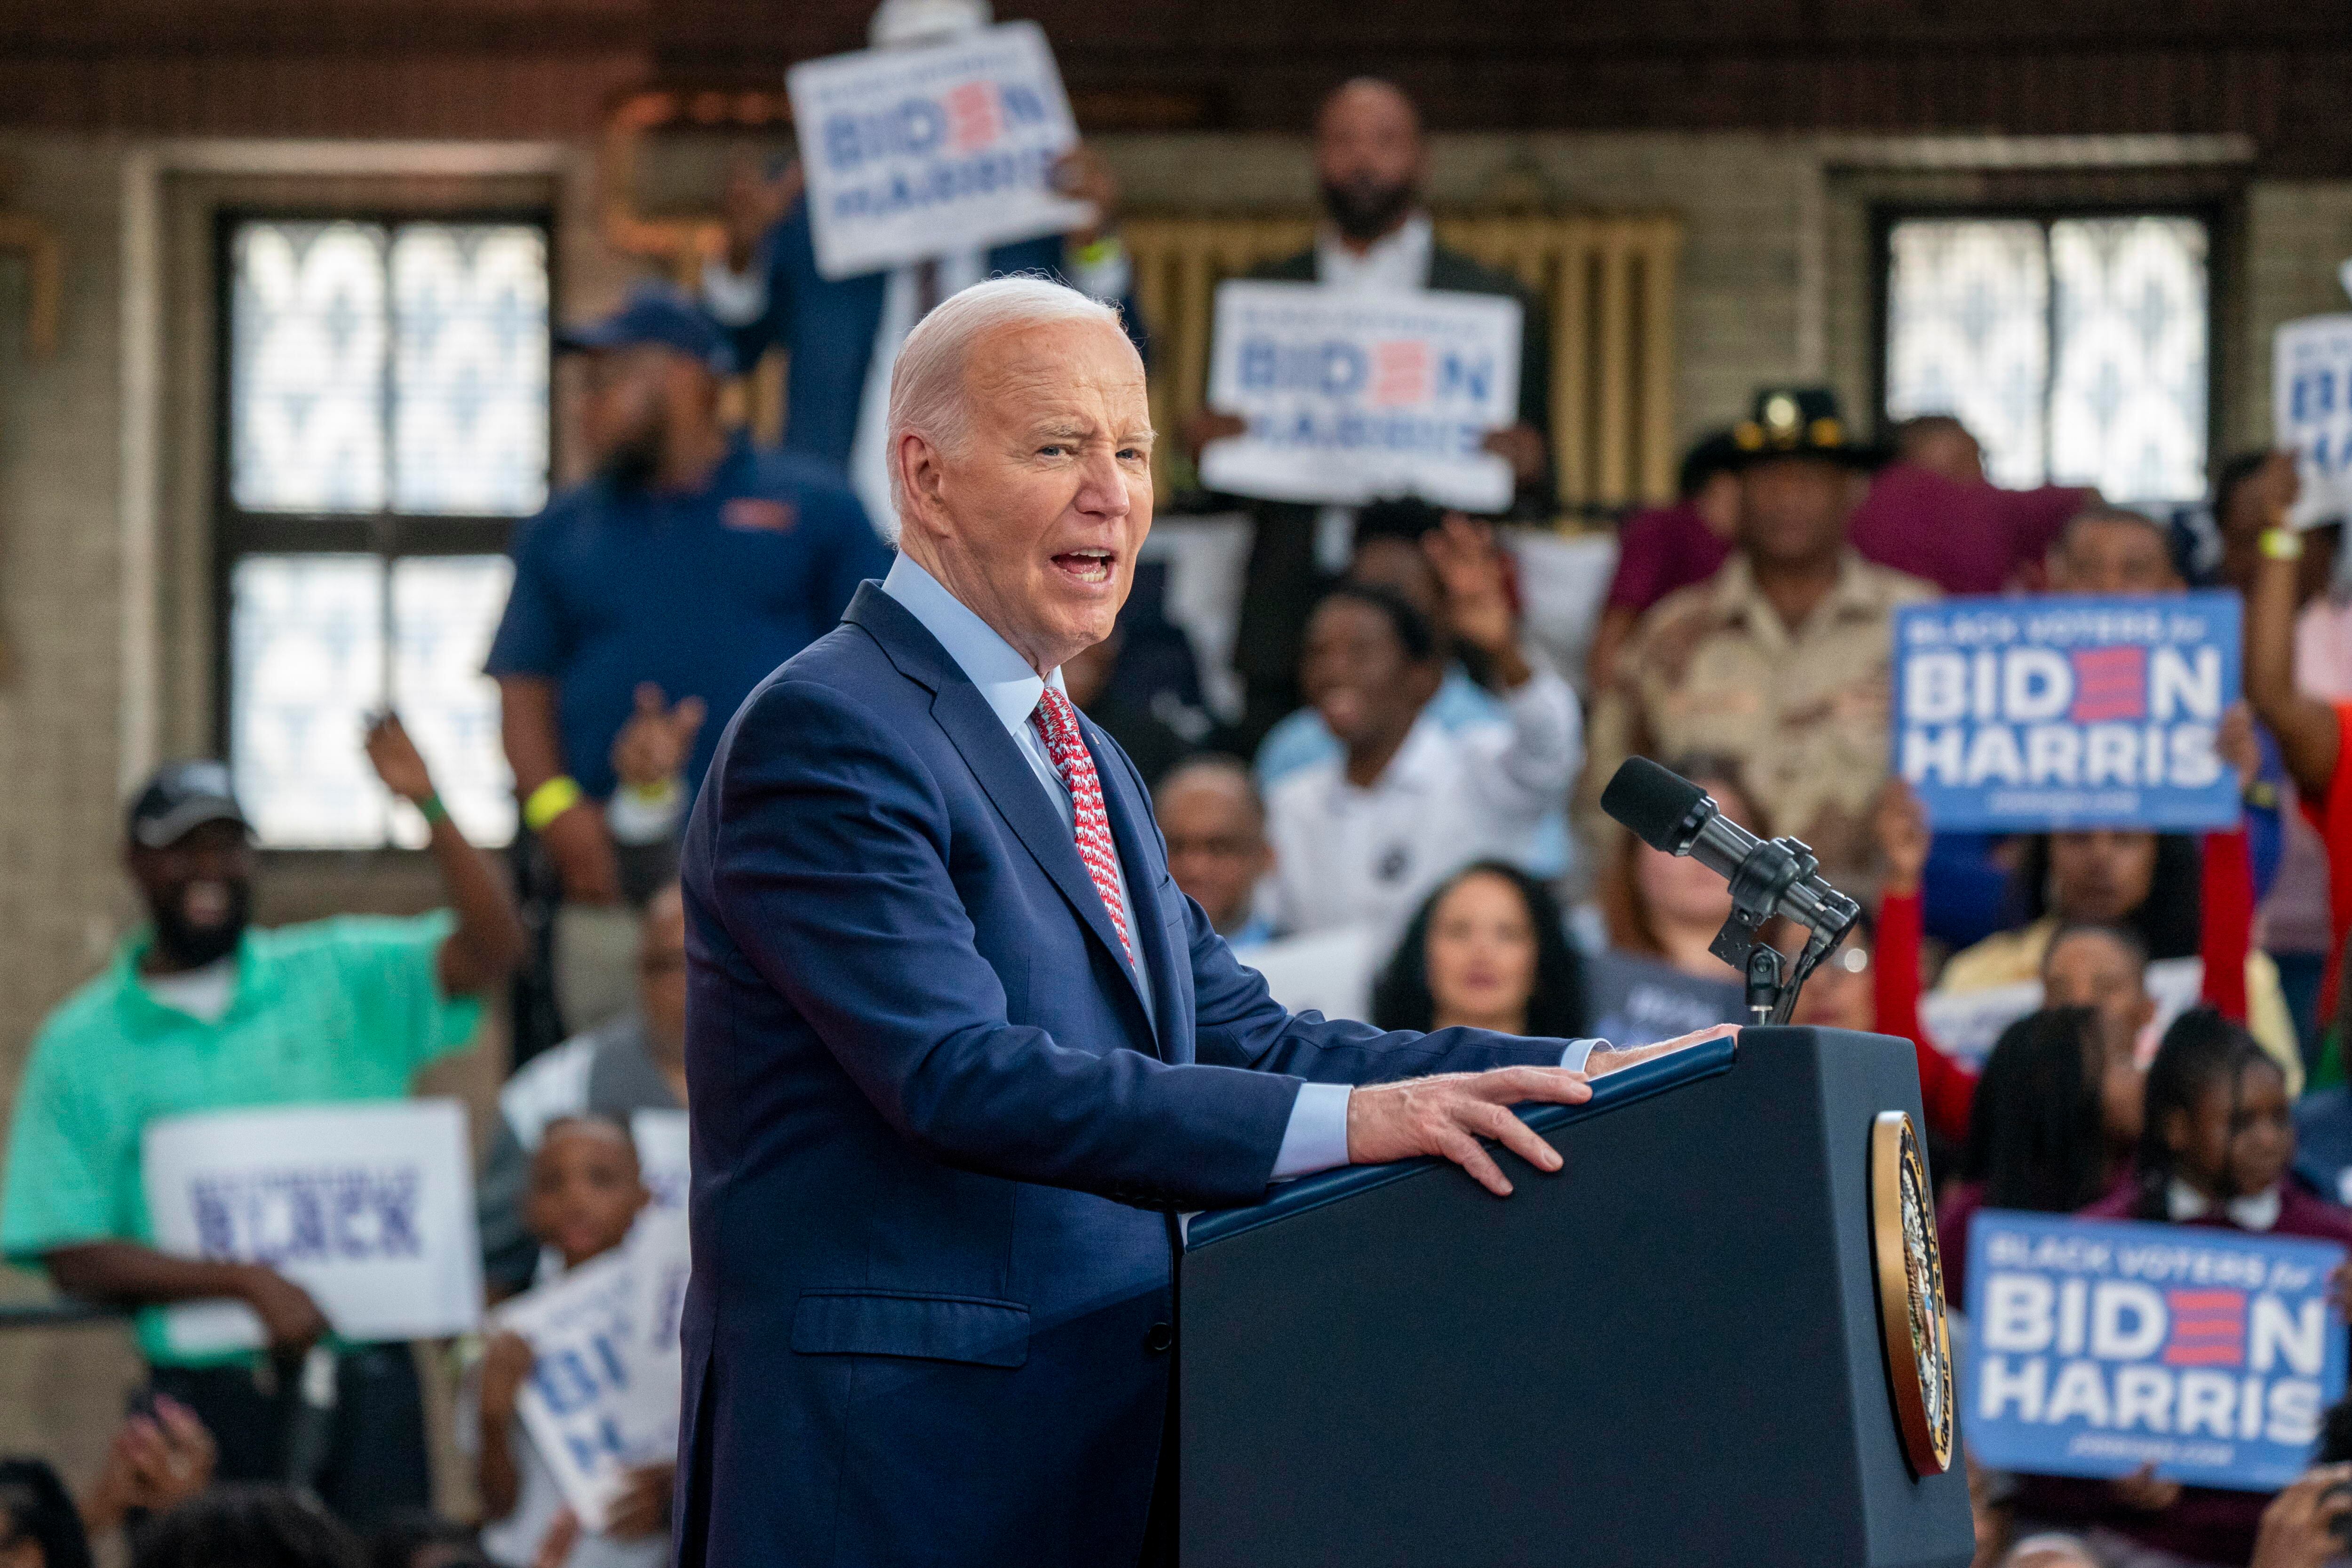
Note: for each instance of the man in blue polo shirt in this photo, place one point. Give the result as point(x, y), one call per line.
point(647, 604)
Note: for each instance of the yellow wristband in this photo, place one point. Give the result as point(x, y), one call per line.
point(550, 800)
point(2281, 543)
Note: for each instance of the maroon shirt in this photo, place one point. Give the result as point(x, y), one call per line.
point(2208, 1524)
point(1965, 539)
point(1661, 550)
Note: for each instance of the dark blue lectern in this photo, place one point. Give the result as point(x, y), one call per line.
point(1668, 1354)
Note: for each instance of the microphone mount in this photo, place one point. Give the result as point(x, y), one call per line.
point(1767, 878)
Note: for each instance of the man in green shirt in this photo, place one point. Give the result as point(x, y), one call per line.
point(199, 1013)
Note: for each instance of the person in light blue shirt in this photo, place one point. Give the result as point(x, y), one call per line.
point(1388, 553)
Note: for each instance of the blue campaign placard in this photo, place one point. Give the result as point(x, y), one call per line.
point(2100, 1346)
point(2022, 715)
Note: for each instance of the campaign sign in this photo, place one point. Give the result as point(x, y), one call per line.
point(2103, 1346)
point(915, 152)
point(2024, 715)
point(600, 1401)
point(2310, 412)
point(369, 1207)
point(1351, 396)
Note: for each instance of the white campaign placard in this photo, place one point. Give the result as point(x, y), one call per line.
point(599, 1402)
point(917, 152)
point(369, 1207)
point(1355, 394)
point(2311, 409)
point(603, 1394)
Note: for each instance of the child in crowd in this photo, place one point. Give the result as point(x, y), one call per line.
point(2216, 1140)
point(585, 1193)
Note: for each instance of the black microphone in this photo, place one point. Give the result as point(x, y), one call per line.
point(1767, 876)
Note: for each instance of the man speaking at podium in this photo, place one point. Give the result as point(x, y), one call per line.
point(958, 1048)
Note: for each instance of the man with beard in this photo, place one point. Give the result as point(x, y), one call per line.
point(646, 602)
point(200, 1013)
point(1370, 164)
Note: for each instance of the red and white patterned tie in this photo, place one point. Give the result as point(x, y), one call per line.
point(1057, 725)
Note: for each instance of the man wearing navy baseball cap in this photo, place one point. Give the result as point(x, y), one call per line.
point(646, 604)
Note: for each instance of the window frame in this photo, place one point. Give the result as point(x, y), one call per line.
point(387, 535)
point(2212, 213)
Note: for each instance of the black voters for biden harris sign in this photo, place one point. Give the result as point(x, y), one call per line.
point(2017, 714)
point(2104, 1345)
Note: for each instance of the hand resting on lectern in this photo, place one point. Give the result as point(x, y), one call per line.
point(1447, 1114)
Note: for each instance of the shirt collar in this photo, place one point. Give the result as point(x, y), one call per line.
point(1007, 684)
point(2257, 1212)
point(1735, 593)
point(130, 986)
point(1396, 260)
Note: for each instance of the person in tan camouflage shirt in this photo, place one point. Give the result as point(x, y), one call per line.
point(1781, 660)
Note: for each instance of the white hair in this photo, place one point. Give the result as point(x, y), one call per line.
point(927, 383)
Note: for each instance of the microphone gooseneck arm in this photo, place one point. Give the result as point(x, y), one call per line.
point(1768, 878)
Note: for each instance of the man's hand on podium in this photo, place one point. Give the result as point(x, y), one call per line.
point(1601, 1063)
point(1447, 1114)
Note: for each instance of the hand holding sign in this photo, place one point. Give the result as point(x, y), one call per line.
point(915, 153)
point(2310, 412)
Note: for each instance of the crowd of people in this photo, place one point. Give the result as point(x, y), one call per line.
point(1398, 822)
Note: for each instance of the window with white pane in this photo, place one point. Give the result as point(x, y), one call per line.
point(387, 423)
point(2077, 349)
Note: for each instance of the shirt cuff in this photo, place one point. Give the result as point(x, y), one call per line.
point(735, 299)
point(1316, 1137)
point(1578, 1052)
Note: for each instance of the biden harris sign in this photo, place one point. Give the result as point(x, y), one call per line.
point(2024, 714)
point(1355, 394)
point(2103, 1346)
point(917, 152)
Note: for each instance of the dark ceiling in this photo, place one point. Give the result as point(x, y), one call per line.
point(2271, 70)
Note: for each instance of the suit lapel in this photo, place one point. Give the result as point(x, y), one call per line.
point(995, 761)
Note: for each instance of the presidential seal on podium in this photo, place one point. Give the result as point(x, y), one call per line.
point(1910, 1294)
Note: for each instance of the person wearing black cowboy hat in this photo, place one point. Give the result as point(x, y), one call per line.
point(1781, 660)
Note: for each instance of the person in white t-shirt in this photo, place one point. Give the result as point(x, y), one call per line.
point(1362, 838)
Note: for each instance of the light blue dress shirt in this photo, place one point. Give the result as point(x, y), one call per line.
point(1316, 1136)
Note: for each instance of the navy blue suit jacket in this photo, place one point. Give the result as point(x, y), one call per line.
point(828, 324)
point(934, 1131)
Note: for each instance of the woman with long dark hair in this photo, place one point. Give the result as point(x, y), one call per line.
point(2056, 1117)
point(1487, 949)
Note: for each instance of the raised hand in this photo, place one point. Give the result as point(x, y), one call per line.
point(750, 202)
point(1900, 823)
point(1082, 174)
point(1470, 569)
point(653, 746)
point(396, 760)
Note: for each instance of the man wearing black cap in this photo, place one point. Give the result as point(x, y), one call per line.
point(660, 592)
point(1781, 660)
point(200, 1013)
